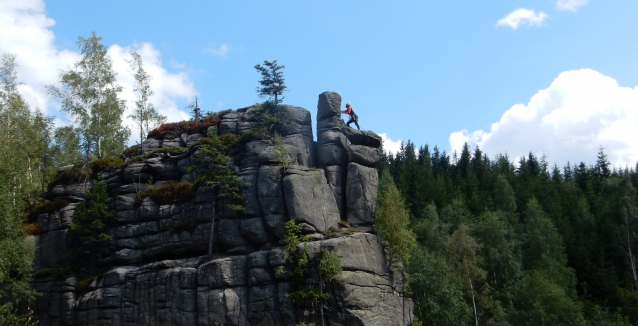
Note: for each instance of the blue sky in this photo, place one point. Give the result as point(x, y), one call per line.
point(509, 76)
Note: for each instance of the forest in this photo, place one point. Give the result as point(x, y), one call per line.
point(485, 241)
point(498, 242)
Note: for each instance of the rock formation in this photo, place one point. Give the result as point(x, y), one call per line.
point(158, 271)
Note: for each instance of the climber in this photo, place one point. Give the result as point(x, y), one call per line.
point(353, 116)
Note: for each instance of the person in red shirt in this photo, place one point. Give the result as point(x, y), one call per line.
point(353, 116)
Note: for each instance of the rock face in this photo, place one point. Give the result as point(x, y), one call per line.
point(157, 271)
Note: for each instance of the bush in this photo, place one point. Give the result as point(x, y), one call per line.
point(105, 164)
point(175, 129)
point(330, 265)
point(33, 210)
point(132, 151)
point(170, 193)
point(71, 175)
point(31, 229)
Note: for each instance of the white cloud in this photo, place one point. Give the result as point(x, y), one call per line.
point(522, 16)
point(25, 31)
point(168, 87)
point(571, 5)
point(220, 51)
point(578, 113)
point(389, 145)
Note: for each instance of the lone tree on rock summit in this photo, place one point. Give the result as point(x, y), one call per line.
point(272, 116)
point(272, 81)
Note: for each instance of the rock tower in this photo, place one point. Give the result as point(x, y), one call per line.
point(158, 271)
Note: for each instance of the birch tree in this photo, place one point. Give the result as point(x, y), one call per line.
point(89, 94)
point(144, 116)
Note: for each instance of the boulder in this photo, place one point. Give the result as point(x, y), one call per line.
point(361, 192)
point(309, 199)
point(362, 137)
point(151, 144)
point(174, 142)
point(364, 155)
point(254, 229)
point(329, 105)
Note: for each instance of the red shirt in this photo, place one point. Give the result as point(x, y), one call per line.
point(349, 111)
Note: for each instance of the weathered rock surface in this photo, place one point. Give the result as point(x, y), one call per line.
point(157, 271)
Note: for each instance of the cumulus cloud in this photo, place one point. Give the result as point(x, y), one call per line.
point(571, 5)
point(25, 32)
point(581, 111)
point(168, 87)
point(220, 51)
point(522, 16)
point(389, 145)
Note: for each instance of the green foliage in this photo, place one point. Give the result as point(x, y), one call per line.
point(391, 222)
point(282, 155)
point(105, 164)
point(170, 193)
point(297, 257)
point(89, 93)
point(308, 294)
point(26, 165)
point(330, 265)
point(437, 291)
point(144, 115)
point(513, 240)
point(272, 81)
point(90, 221)
point(213, 170)
point(33, 210)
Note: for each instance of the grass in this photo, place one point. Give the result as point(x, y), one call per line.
point(170, 193)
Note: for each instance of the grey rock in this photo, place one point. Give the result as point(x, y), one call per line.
point(151, 144)
point(248, 191)
point(362, 137)
point(299, 149)
point(163, 169)
point(276, 224)
point(148, 209)
point(258, 259)
point(361, 192)
point(269, 190)
point(175, 142)
point(229, 234)
point(51, 249)
point(336, 178)
point(254, 229)
point(332, 149)
point(223, 272)
point(364, 155)
point(125, 202)
point(309, 199)
point(329, 105)
point(132, 188)
point(191, 139)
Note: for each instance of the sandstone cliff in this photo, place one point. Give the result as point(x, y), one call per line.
point(157, 268)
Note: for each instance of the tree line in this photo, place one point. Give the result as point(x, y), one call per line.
point(33, 148)
point(499, 243)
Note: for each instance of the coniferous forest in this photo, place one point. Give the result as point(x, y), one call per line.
point(499, 242)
